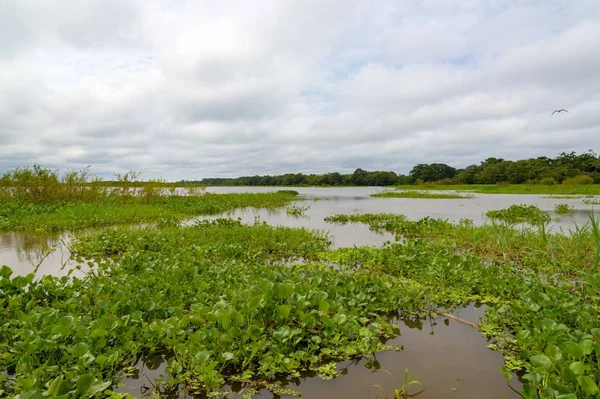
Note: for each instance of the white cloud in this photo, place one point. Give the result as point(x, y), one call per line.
point(191, 89)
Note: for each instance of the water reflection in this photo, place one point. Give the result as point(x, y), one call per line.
point(43, 253)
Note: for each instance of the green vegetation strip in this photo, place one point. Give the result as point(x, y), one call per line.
point(417, 194)
point(72, 215)
point(567, 189)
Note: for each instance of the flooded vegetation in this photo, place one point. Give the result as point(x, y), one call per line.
point(417, 194)
point(313, 292)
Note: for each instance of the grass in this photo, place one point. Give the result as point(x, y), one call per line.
point(417, 194)
point(72, 215)
point(567, 189)
point(224, 302)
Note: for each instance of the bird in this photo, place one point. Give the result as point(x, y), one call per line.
point(559, 111)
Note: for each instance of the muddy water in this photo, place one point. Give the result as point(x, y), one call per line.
point(449, 359)
point(358, 200)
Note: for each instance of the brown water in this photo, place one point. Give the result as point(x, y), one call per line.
point(451, 360)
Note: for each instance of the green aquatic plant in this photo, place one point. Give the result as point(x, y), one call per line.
point(563, 209)
point(520, 214)
point(591, 201)
point(402, 392)
point(297, 210)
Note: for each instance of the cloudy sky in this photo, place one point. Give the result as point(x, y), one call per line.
point(191, 89)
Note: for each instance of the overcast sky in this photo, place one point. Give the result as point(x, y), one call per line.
point(193, 89)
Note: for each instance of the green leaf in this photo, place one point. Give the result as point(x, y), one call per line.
point(54, 386)
point(98, 386)
point(586, 346)
point(339, 318)
point(588, 385)
point(223, 315)
point(324, 306)
point(541, 361)
point(284, 311)
point(577, 368)
point(554, 353)
point(507, 374)
point(202, 356)
point(284, 290)
point(227, 356)
point(255, 302)
point(565, 396)
point(529, 392)
point(574, 350)
point(254, 332)
point(5, 271)
point(84, 383)
point(80, 349)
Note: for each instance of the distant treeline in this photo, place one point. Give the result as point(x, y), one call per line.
point(565, 168)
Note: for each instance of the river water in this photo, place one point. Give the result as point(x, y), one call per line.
point(451, 360)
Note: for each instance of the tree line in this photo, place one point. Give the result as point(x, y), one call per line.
point(564, 168)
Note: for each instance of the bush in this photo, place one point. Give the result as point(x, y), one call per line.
point(445, 182)
point(548, 181)
point(579, 179)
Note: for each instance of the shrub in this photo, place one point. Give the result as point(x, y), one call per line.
point(548, 181)
point(445, 182)
point(579, 179)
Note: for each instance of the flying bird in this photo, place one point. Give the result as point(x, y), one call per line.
point(559, 111)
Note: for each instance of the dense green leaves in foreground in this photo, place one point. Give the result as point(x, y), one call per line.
point(543, 290)
point(71, 215)
point(227, 302)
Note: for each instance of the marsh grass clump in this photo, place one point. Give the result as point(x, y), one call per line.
point(591, 201)
point(563, 209)
point(297, 210)
point(579, 180)
point(288, 192)
point(418, 194)
point(530, 214)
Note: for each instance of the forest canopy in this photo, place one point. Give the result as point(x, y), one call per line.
point(565, 168)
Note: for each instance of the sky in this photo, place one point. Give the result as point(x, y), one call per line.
point(194, 89)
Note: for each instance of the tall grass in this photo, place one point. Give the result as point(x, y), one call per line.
point(38, 184)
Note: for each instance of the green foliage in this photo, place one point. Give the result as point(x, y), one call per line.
point(579, 179)
point(563, 209)
point(548, 181)
point(590, 189)
point(70, 215)
point(520, 214)
point(297, 210)
point(542, 292)
point(214, 298)
point(417, 194)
